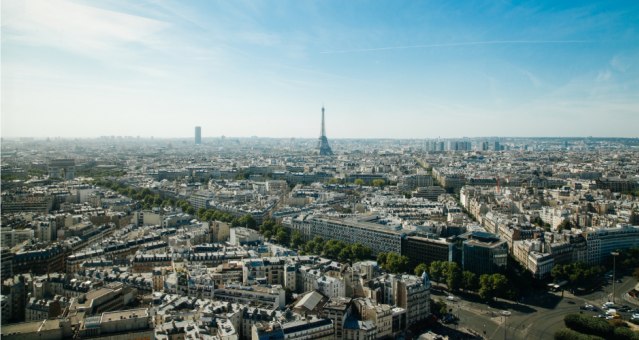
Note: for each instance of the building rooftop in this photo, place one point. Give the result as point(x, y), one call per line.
point(124, 314)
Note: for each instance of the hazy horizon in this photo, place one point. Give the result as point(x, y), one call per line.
point(388, 70)
point(204, 138)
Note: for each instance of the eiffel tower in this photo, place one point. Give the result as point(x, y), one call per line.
point(324, 148)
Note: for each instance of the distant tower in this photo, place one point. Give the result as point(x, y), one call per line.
point(324, 148)
point(198, 135)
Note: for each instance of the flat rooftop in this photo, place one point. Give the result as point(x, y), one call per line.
point(124, 314)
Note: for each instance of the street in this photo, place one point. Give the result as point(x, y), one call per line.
point(538, 316)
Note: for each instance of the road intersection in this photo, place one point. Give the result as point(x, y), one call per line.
point(537, 316)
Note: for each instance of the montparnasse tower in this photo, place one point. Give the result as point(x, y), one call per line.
point(324, 148)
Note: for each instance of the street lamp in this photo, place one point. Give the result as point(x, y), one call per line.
point(505, 314)
point(614, 271)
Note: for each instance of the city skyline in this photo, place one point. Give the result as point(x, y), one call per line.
point(384, 70)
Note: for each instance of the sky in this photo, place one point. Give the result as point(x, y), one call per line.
point(382, 69)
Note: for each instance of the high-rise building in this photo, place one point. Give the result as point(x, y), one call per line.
point(324, 148)
point(198, 135)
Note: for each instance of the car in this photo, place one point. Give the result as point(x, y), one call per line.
point(589, 307)
point(449, 318)
point(450, 298)
point(599, 316)
point(635, 316)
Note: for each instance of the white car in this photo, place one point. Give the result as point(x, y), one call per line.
point(450, 298)
point(635, 316)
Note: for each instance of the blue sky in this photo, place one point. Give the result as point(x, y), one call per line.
point(395, 69)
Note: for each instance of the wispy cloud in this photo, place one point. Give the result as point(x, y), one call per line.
point(461, 44)
point(78, 28)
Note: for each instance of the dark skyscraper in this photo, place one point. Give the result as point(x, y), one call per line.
point(198, 135)
point(324, 148)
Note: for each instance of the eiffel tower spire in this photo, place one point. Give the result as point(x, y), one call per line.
point(324, 148)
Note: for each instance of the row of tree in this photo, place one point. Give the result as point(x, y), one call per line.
point(628, 258)
point(378, 182)
point(585, 327)
point(145, 196)
point(577, 273)
point(488, 286)
point(270, 229)
point(214, 215)
point(494, 285)
point(149, 200)
point(451, 274)
point(332, 249)
point(393, 262)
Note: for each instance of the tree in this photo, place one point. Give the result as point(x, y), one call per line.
point(393, 262)
point(247, 221)
point(589, 325)
point(200, 212)
point(500, 285)
point(486, 291)
point(268, 223)
point(378, 182)
point(344, 254)
point(576, 273)
point(296, 239)
point(565, 225)
point(381, 258)
point(332, 248)
point(359, 182)
point(334, 180)
point(319, 245)
point(629, 258)
point(453, 275)
point(288, 296)
point(359, 252)
point(282, 236)
point(469, 280)
point(537, 221)
point(438, 308)
point(493, 285)
point(436, 271)
point(422, 267)
point(309, 247)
